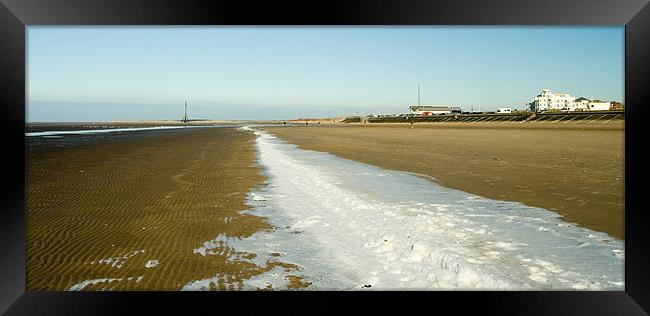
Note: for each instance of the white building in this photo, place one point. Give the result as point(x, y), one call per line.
point(504, 110)
point(427, 110)
point(564, 102)
point(553, 101)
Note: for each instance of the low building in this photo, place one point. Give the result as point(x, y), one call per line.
point(504, 110)
point(428, 110)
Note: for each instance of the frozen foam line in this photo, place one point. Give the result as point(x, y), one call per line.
point(356, 226)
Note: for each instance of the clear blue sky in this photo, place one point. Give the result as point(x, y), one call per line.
point(111, 73)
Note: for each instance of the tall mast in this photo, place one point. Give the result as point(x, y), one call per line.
point(185, 119)
point(418, 94)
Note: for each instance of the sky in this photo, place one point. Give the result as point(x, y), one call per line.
point(139, 73)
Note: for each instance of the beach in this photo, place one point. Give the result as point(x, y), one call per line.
point(574, 169)
point(328, 158)
point(230, 208)
point(129, 213)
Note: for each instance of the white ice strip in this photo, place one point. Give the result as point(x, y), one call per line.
point(105, 130)
point(350, 225)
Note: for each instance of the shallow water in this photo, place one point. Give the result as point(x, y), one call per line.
point(104, 130)
point(35, 141)
point(350, 225)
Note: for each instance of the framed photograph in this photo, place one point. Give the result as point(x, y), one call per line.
point(362, 152)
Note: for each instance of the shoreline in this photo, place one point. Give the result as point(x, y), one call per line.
point(70, 126)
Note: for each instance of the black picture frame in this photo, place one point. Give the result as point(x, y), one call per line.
point(16, 15)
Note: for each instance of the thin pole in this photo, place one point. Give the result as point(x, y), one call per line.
point(418, 94)
point(185, 119)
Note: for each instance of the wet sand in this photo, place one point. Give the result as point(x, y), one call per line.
point(574, 169)
point(130, 212)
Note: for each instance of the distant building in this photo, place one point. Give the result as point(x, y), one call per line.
point(564, 102)
point(504, 110)
point(427, 110)
point(552, 101)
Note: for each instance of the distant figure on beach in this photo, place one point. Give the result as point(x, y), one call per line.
point(306, 123)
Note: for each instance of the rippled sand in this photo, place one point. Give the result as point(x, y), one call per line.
point(128, 214)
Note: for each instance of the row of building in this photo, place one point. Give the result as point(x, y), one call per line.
point(546, 101)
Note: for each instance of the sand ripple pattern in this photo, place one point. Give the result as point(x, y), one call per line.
point(127, 214)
